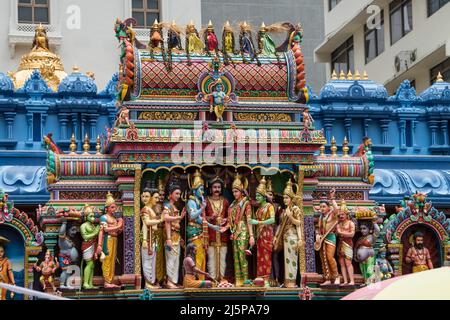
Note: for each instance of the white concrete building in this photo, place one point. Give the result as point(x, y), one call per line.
point(392, 40)
point(81, 31)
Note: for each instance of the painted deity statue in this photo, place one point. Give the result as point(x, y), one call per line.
point(160, 235)
point(290, 234)
point(246, 44)
point(418, 255)
point(68, 254)
point(197, 232)
point(6, 271)
point(307, 119)
point(385, 268)
point(6, 212)
point(149, 248)
point(123, 117)
point(364, 147)
point(89, 232)
point(267, 46)
point(240, 214)
point(365, 253)
point(326, 239)
point(217, 215)
point(275, 277)
point(47, 268)
point(228, 39)
point(228, 43)
point(172, 218)
point(107, 241)
point(193, 42)
point(265, 218)
point(174, 38)
point(156, 39)
point(211, 41)
point(40, 41)
point(194, 276)
point(218, 100)
point(345, 230)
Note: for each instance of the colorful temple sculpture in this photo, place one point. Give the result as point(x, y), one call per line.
point(220, 174)
point(38, 99)
point(203, 138)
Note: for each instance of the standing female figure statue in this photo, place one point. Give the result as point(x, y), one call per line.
point(290, 233)
point(172, 218)
point(265, 218)
point(150, 222)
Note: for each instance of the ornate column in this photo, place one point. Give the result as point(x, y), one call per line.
point(328, 126)
point(74, 118)
point(84, 128)
point(43, 120)
point(9, 119)
point(402, 128)
point(129, 184)
point(433, 125)
point(63, 120)
point(413, 134)
point(93, 119)
point(348, 128)
point(384, 125)
point(366, 123)
point(444, 131)
point(29, 128)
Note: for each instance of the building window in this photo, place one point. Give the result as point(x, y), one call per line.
point(145, 12)
point(33, 11)
point(342, 59)
point(435, 5)
point(374, 40)
point(332, 4)
point(401, 19)
point(443, 68)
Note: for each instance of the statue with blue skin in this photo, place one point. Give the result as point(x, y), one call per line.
point(197, 229)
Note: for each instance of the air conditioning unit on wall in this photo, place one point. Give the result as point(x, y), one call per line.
point(404, 60)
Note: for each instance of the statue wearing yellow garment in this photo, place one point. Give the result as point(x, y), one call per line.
point(228, 39)
point(218, 100)
point(107, 240)
point(194, 44)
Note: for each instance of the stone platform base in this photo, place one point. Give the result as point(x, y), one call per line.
point(211, 294)
point(130, 288)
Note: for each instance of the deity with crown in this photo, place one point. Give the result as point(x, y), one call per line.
point(110, 229)
point(197, 229)
point(240, 214)
point(218, 100)
point(265, 218)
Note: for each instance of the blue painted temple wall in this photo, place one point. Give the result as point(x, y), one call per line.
point(409, 132)
point(29, 113)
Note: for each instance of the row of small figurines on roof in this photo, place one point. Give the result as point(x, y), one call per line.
point(210, 42)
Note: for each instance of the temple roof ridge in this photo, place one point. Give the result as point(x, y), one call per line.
point(77, 83)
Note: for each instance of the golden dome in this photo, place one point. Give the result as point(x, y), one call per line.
point(41, 58)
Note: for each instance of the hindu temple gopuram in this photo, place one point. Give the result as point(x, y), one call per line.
point(213, 179)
